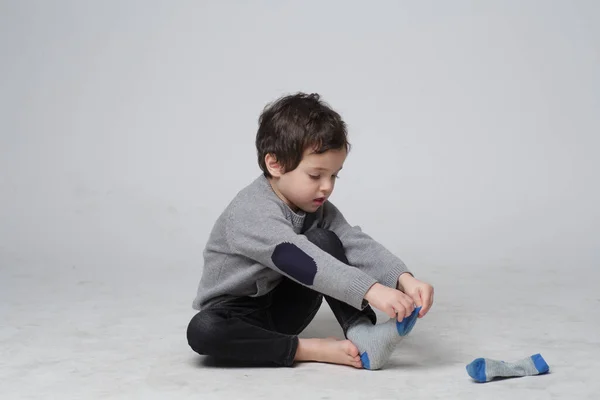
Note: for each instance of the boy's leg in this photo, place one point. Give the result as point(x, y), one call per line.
point(240, 329)
point(345, 314)
point(293, 307)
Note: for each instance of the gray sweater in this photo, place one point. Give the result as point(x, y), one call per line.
point(258, 239)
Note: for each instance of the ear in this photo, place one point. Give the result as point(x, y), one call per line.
point(273, 166)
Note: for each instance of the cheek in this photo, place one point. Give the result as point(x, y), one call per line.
point(308, 183)
point(308, 188)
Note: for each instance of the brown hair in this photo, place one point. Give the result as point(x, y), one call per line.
point(293, 123)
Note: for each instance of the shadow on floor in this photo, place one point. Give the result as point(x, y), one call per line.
point(425, 350)
point(211, 362)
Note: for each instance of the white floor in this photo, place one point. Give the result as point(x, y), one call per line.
point(120, 333)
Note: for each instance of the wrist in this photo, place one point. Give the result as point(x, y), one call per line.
point(404, 279)
point(369, 294)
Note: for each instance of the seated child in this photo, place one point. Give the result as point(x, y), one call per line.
point(280, 247)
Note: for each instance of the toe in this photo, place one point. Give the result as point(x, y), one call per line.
point(351, 349)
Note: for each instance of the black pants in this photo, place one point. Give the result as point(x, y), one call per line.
point(265, 329)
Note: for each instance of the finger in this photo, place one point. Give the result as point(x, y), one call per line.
point(417, 298)
point(409, 309)
point(427, 304)
point(391, 312)
point(430, 301)
point(400, 312)
point(404, 308)
point(409, 305)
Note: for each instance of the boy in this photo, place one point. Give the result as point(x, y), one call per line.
point(281, 246)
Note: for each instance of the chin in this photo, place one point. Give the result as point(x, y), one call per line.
point(313, 208)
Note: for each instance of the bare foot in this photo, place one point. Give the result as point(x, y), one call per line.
point(328, 351)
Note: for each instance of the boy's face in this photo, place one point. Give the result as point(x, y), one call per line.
point(309, 185)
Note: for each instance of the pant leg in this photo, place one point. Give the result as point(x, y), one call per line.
point(294, 307)
point(345, 314)
point(241, 329)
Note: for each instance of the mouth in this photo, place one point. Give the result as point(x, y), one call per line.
point(319, 200)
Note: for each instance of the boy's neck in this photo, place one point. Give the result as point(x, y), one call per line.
point(273, 184)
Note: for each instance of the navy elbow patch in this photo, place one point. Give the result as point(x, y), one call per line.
point(291, 260)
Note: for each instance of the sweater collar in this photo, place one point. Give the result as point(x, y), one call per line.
point(298, 217)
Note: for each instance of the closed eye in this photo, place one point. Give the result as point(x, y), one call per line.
point(317, 177)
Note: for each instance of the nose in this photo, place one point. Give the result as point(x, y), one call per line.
point(327, 186)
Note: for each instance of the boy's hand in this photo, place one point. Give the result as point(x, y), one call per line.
point(391, 301)
point(420, 292)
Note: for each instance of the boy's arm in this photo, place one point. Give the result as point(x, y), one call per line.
point(268, 238)
point(363, 251)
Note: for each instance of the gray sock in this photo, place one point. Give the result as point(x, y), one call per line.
point(376, 343)
point(485, 369)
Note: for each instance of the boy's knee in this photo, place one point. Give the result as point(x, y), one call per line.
point(203, 332)
point(325, 239)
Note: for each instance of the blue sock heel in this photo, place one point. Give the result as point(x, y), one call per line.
point(364, 357)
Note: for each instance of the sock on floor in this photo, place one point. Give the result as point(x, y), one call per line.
point(376, 343)
point(485, 369)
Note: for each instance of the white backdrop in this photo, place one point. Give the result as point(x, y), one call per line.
point(127, 126)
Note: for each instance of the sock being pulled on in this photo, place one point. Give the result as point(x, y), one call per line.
point(376, 343)
point(485, 369)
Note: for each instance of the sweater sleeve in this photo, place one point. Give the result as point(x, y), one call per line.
point(362, 250)
point(268, 238)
